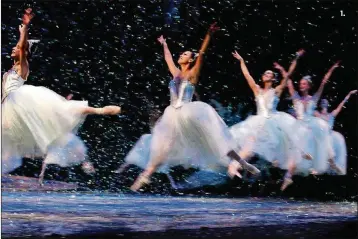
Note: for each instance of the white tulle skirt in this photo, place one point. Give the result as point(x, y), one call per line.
point(274, 138)
point(35, 119)
point(340, 150)
point(191, 136)
point(315, 139)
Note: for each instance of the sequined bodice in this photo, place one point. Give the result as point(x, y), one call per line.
point(266, 102)
point(304, 108)
point(180, 92)
point(11, 82)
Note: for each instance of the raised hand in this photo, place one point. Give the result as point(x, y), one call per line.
point(328, 75)
point(300, 52)
point(353, 92)
point(26, 18)
point(161, 39)
point(336, 64)
point(213, 28)
point(277, 66)
point(22, 28)
point(237, 56)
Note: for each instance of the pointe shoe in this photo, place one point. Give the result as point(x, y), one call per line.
point(334, 166)
point(111, 110)
point(275, 163)
point(140, 182)
point(286, 182)
point(41, 181)
point(313, 172)
point(233, 169)
point(251, 168)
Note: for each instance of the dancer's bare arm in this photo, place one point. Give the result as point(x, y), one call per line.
point(195, 71)
point(336, 111)
point(168, 57)
point(22, 43)
point(286, 75)
point(325, 80)
point(246, 73)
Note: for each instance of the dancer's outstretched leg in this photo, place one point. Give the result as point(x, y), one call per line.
point(240, 159)
point(107, 110)
point(287, 180)
point(144, 178)
point(42, 174)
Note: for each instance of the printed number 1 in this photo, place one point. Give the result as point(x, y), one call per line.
point(342, 14)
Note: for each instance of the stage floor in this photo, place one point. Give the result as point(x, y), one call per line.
point(98, 215)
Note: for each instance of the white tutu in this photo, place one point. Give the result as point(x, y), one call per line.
point(35, 119)
point(340, 150)
point(191, 136)
point(314, 135)
point(273, 138)
point(73, 153)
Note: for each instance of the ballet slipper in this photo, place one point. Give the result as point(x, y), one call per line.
point(286, 182)
point(88, 168)
point(313, 172)
point(251, 168)
point(233, 169)
point(41, 181)
point(140, 182)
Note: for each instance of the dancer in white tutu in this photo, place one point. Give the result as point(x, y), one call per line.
point(36, 120)
point(189, 133)
point(313, 133)
point(271, 129)
point(339, 144)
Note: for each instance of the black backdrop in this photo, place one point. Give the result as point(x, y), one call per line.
point(106, 52)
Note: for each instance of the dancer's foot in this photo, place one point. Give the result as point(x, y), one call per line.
point(286, 182)
point(140, 182)
point(334, 166)
point(275, 163)
point(251, 168)
point(313, 172)
point(88, 168)
point(233, 169)
point(41, 181)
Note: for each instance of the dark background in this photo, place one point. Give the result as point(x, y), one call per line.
point(106, 52)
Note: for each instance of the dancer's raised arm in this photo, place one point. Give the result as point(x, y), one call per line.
point(318, 94)
point(336, 111)
point(21, 48)
point(195, 71)
point(288, 74)
point(168, 57)
point(246, 73)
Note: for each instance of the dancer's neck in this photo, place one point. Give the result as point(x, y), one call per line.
point(267, 86)
point(184, 68)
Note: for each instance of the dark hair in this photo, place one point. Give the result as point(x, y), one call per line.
point(194, 55)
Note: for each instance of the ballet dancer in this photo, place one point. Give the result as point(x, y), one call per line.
point(313, 132)
point(337, 140)
point(271, 129)
point(189, 133)
point(36, 119)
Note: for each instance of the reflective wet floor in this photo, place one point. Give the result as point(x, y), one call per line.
point(94, 215)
